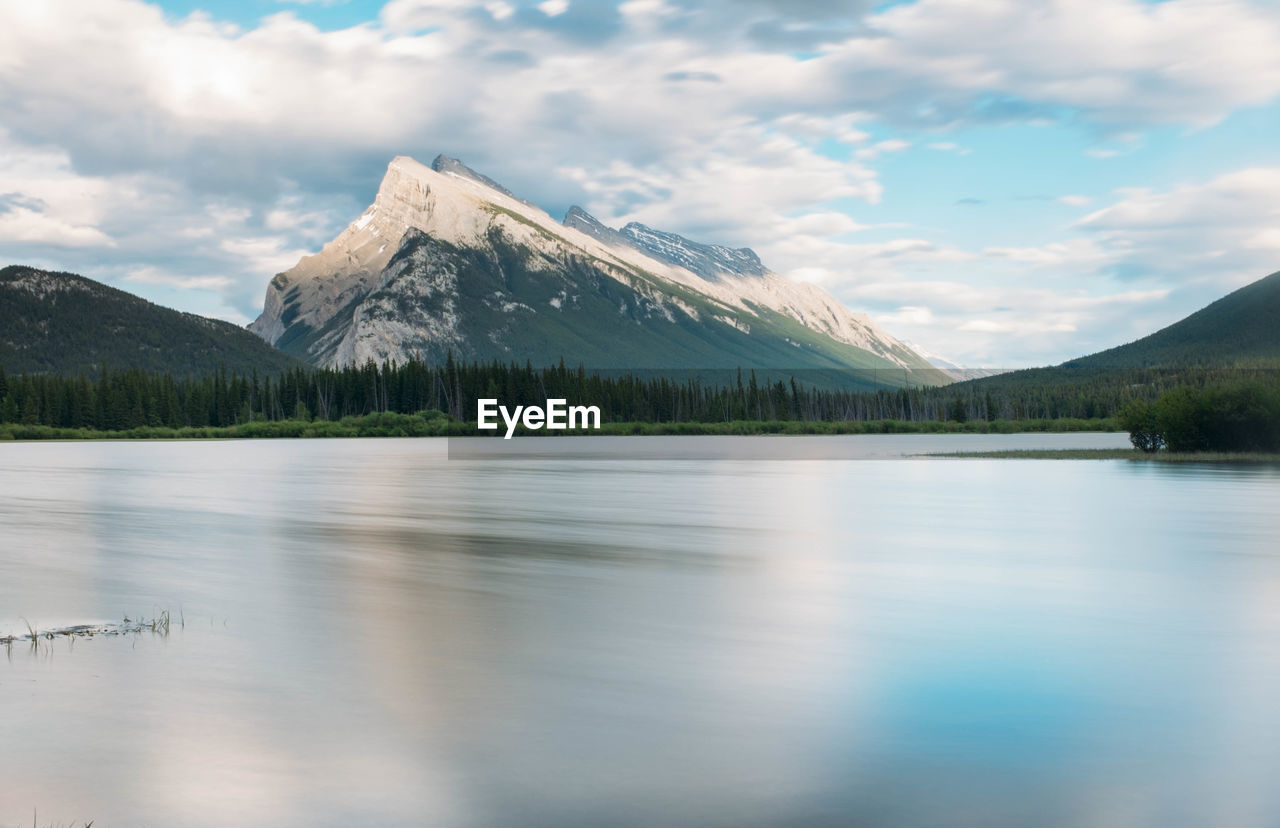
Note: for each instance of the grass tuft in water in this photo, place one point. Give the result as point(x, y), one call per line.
point(35, 823)
point(157, 625)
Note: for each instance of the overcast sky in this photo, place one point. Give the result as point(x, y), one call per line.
point(1004, 182)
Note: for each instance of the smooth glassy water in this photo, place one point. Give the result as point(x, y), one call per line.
point(378, 635)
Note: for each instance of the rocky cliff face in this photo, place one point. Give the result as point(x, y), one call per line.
point(448, 261)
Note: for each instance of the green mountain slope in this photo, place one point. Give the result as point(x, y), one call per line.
point(61, 323)
point(1240, 329)
point(1236, 337)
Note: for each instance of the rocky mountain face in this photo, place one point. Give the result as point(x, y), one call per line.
point(447, 261)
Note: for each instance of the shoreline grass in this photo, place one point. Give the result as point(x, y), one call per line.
point(416, 425)
point(1115, 454)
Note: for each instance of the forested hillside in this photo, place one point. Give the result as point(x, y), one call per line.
point(1240, 329)
point(1236, 337)
point(61, 323)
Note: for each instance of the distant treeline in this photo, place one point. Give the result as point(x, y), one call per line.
point(437, 424)
point(131, 399)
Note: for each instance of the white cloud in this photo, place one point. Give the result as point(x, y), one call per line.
point(738, 187)
point(499, 9)
point(43, 202)
point(1010, 325)
point(1238, 201)
point(908, 315)
point(265, 254)
point(119, 227)
point(1075, 252)
point(1265, 239)
point(1219, 234)
point(201, 87)
point(1075, 200)
point(640, 12)
point(880, 147)
point(156, 276)
point(987, 326)
point(291, 216)
point(553, 8)
point(23, 225)
point(816, 127)
point(949, 146)
point(1191, 62)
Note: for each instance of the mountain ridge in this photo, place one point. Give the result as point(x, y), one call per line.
point(706, 260)
point(490, 276)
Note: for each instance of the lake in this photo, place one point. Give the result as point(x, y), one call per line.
point(368, 632)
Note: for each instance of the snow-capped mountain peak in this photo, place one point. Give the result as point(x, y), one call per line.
point(446, 260)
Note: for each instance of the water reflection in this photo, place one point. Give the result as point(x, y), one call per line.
point(379, 635)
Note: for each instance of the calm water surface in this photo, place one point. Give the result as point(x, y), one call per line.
point(377, 634)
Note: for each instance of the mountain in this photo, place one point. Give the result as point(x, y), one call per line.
point(952, 369)
point(1240, 329)
point(445, 260)
point(60, 323)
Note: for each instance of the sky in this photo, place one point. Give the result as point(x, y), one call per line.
point(1001, 182)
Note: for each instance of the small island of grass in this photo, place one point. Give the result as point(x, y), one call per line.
point(1132, 454)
